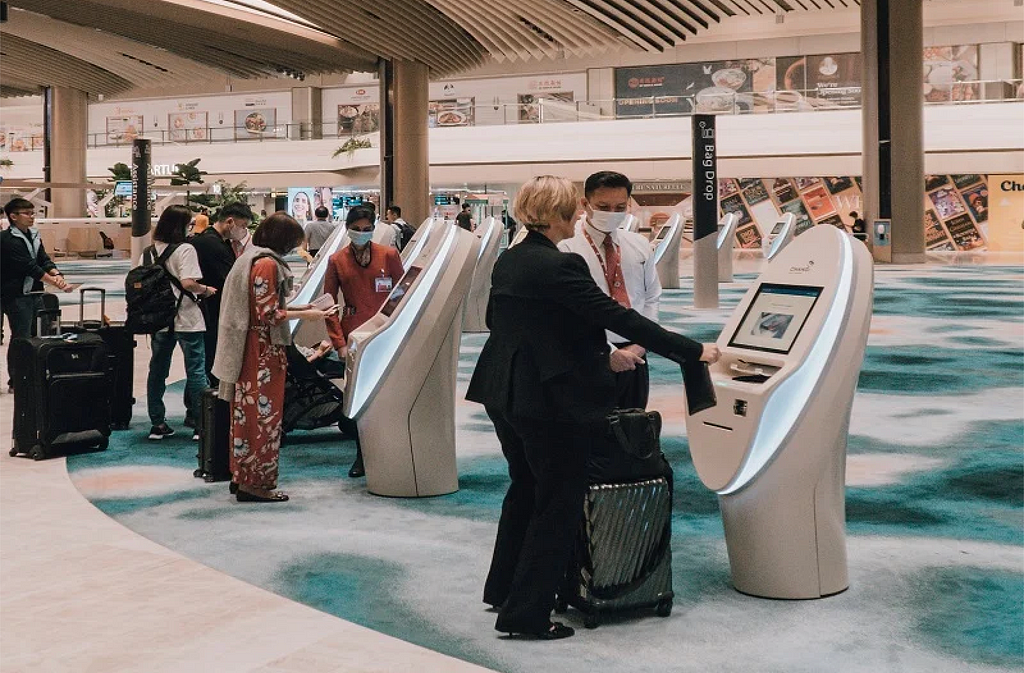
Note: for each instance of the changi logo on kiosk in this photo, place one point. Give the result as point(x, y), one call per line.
point(802, 269)
point(1011, 186)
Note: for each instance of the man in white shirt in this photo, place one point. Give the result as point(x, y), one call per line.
point(622, 265)
point(319, 230)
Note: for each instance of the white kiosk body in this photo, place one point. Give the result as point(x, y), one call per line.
point(666, 252)
point(401, 368)
point(419, 238)
point(726, 242)
point(774, 447)
point(521, 233)
point(311, 285)
point(782, 233)
point(632, 223)
point(490, 234)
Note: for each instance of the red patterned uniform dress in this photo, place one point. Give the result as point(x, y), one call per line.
point(258, 406)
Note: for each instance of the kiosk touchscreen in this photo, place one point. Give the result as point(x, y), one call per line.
point(666, 251)
point(726, 241)
point(779, 236)
point(490, 234)
point(774, 446)
point(401, 367)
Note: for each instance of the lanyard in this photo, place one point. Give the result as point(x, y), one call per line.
point(601, 260)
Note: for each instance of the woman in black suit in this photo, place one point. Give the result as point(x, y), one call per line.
point(544, 378)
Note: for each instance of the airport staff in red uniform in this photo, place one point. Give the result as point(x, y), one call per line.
point(365, 273)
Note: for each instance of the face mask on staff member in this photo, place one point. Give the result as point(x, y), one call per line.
point(606, 208)
point(360, 238)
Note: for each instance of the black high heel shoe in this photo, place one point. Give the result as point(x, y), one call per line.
point(245, 496)
point(357, 470)
point(233, 487)
point(555, 631)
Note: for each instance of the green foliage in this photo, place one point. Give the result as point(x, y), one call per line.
point(212, 202)
point(120, 171)
point(6, 163)
point(187, 174)
point(351, 145)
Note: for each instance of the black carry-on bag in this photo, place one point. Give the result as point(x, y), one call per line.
point(214, 438)
point(61, 393)
point(623, 552)
point(46, 318)
point(120, 352)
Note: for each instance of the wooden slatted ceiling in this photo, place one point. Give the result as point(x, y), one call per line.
point(28, 62)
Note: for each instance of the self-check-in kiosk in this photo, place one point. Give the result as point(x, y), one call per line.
point(521, 233)
point(475, 316)
point(774, 446)
point(725, 242)
point(632, 223)
point(401, 367)
point(419, 238)
point(779, 236)
point(666, 252)
point(311, 285)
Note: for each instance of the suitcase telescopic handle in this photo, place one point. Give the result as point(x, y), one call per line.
point(81, 304)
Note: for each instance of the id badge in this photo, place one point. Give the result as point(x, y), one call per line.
point(382, 284)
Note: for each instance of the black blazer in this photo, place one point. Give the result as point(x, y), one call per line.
point(17, 264)
point(547, 355)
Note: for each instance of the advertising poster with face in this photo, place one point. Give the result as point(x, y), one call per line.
point(965, 233)
point(976, 199)
point(300, 203)
point(358, 118)
point(935, 235)
point(818, 203)
point(946, 69)
point(450, 112)
point(734, 204)
point(803, 220)
point(185, 126)
point(783, 190)
point(251, 124)
point(754, 191)
point(947, 203)
point(124, 128)
point(323, 196)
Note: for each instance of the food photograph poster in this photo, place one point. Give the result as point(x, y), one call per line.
point(257, 123)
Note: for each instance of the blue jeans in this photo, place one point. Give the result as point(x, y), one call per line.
point(193, 347)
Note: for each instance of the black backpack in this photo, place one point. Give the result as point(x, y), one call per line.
point(406, 232)
point(149, 294)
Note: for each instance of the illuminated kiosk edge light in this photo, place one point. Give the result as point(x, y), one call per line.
point(666, 252)
point(475, 315)
point(726, 242)
point(781, 234)
point(311, 285)
point(401, 368)
point(419, 239)
point(774, 447)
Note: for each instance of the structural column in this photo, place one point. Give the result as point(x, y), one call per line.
point(66, 116)
point(405, 157)
point(307, 113)
point(892, 41)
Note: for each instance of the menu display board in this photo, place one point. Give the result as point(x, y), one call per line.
point(451, 112)
point(252, 124)
point(358, 118)
point(945, 71)
point(124, 128)
point(185, 126)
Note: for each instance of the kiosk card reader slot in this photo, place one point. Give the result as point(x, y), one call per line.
point(725, 243)
point(401, 368)
point(774, 447)
point(490, 234)
point(666, 251)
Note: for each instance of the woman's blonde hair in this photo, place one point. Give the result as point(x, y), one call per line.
point(544, 199)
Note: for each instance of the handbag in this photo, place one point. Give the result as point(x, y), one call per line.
point(629, 449)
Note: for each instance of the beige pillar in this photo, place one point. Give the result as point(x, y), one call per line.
point(410, 98)
point(307, 113)
point(892, 41)
point(67, 130)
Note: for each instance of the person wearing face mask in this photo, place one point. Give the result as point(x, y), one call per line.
point(216, 252)
point(24, 268)
point(365, 273)
point(623, 267)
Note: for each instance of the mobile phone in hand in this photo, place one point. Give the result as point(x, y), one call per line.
point(323, 302)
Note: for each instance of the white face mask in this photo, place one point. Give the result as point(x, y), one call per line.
point(360, 238)
point(238, 233)
point(607, 222)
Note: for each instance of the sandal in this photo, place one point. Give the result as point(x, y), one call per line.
point(273, 496)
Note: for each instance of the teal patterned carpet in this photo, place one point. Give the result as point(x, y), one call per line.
point(935, 509)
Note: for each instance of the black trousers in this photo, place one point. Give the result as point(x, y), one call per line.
point(542, 509)
point(632, 389)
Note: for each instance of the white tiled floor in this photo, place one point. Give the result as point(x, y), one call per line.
point(81, 593)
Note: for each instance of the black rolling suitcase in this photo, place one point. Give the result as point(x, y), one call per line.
point(46, 321)
point(61, 393)
point(623, 552)
point(121, 353)
point(214, 438)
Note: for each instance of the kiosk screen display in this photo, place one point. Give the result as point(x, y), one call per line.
point(663, 233)
point(397, 294)
point(123, 188)
point(778, 227)
point(775, 317)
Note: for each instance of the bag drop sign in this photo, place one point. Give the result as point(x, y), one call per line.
point(705, 176)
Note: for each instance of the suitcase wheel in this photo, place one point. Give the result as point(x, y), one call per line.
point(104, 443)
point(664, 608)
point(591, 620)
point(561, 606)
point(197, 473)
point(37, 452)
point(209, 478)
point(13, 452)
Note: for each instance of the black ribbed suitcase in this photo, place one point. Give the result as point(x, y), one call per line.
point(61, 393)
point(214, 438)
point(120, 352)
point(623, 555)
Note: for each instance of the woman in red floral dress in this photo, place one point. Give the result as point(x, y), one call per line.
point(254, 324)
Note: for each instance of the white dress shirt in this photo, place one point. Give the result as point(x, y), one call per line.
point(638, 269)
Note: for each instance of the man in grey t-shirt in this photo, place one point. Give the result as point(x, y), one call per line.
point(319, 230)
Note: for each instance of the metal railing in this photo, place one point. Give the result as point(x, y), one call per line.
point(551, 110)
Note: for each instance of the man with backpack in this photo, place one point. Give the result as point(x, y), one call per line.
point(393, 216)
point(162, 296)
